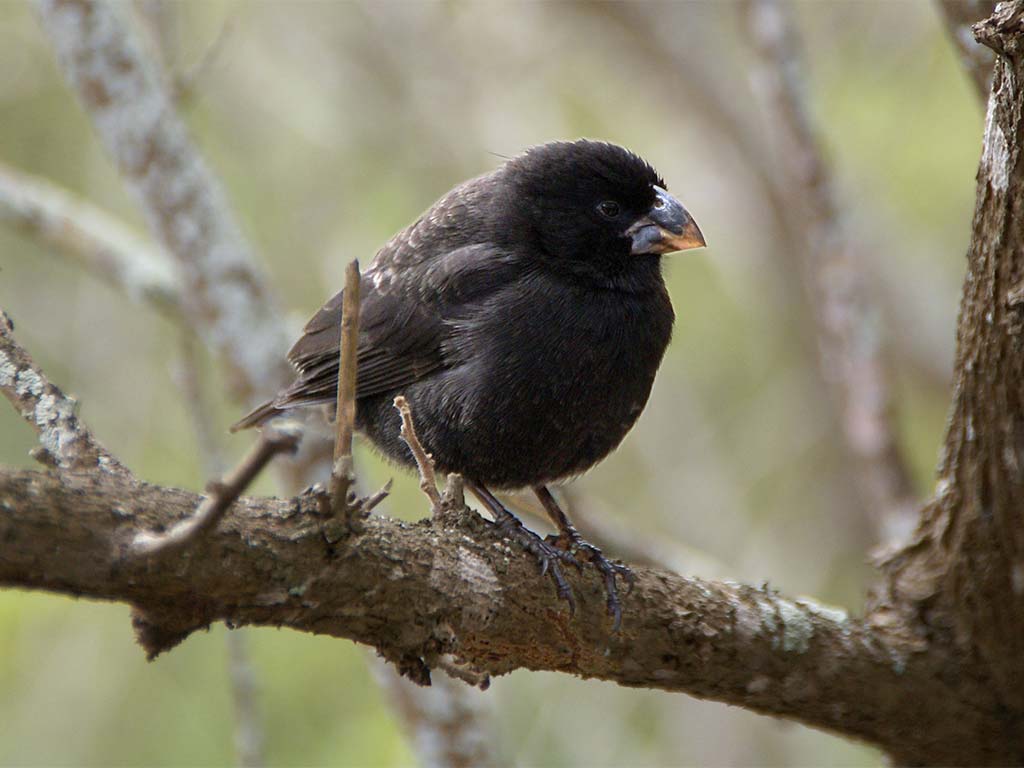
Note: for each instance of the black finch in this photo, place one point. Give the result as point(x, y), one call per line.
point(523, 317)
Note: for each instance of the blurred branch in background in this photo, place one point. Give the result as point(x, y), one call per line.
point(101, 244)
point(977, 60)
point(444, 722)
point(133, 113)
point(249, 737)
point(849, 329)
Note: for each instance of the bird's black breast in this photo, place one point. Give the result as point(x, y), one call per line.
point(550, 377)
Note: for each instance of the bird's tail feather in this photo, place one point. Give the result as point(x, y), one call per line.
point(256, 417)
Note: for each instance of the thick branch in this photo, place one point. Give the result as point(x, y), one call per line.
point(419, 591)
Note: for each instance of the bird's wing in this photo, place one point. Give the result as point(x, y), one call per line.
point(407, 310)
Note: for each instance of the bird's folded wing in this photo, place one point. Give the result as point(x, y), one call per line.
point(406, 321)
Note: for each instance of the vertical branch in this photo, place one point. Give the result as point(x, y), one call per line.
point(849, 341)
point(345, 411)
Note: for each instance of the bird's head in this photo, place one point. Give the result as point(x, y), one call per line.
point(596, 208)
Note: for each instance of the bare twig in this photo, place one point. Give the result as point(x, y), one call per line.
point(849, 339)
point(424, 462)
point(977, 60)
point(133, 112)
point(64, 442)
point(99, 242)
point(274, 439)
point(376, 497)
point(345, 411)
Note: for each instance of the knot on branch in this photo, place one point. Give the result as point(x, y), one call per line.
point(1002, 31)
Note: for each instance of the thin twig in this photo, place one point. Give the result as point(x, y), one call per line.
point(274, 439)
point(424, 462)
point(345, 411)
point(849, 341)
point(367, 504)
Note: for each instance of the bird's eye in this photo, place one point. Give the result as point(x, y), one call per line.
point(659, 203)
point(609, 209)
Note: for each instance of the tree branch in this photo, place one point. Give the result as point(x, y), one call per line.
point(416, 592)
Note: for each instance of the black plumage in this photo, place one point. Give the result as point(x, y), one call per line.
point(523, 317)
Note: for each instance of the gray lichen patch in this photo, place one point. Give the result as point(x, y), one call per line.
point(8, 370)
point(28, 383)
point(829, 612)
point(797, 628)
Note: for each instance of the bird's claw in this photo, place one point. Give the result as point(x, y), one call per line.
point(574, 544)
point(547, 556)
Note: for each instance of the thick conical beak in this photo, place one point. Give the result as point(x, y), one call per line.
point(665, 228)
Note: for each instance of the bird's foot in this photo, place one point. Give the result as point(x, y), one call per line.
point(572, 543)
point(547, 555)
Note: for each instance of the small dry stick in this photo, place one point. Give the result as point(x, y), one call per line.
point(428, 484)
point(273, 440)
point(345, 413)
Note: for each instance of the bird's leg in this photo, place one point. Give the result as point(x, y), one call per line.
point(569, 539)
point(547, 555)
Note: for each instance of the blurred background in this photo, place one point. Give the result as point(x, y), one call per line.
point(332, 125)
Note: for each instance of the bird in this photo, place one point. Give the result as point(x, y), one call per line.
point(523, 317)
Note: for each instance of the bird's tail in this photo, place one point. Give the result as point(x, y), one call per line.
point(257, 416)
